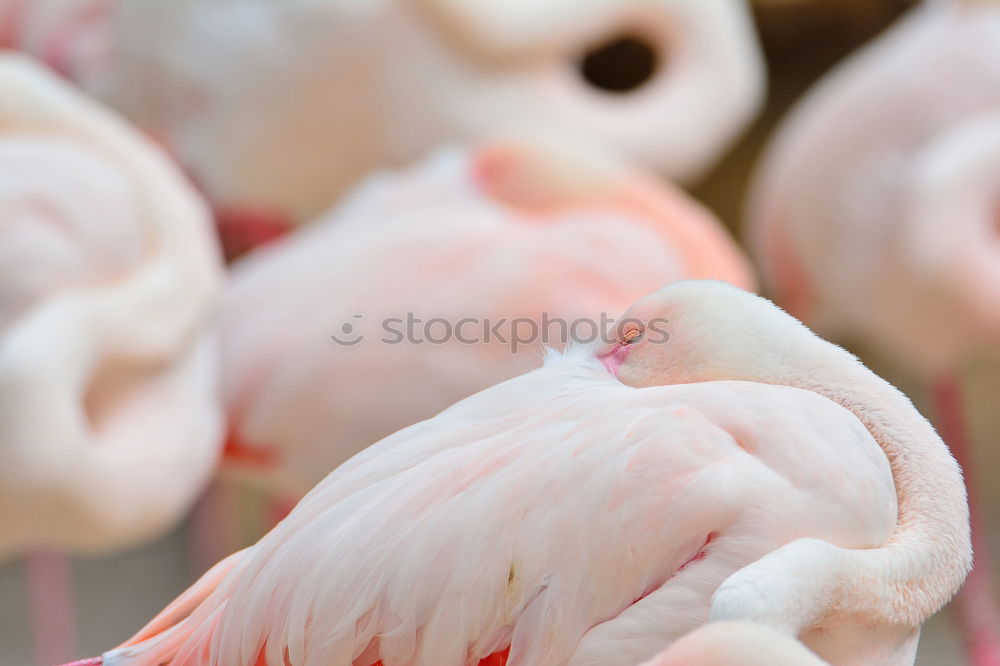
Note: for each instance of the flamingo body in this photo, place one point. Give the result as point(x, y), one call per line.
point(472, 239)
point(560, 513)
point(109, 420)
point(874, 211)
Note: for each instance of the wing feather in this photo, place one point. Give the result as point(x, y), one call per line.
point(538, 509)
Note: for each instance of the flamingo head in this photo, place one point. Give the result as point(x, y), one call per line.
point(705, 330)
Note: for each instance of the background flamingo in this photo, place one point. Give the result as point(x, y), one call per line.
point(277, 108)
point(109, 426)
point(571, 518)
point(875, 217)
point(71, 36)
point(519, 228)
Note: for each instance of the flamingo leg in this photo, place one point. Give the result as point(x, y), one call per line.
point(978, 616)
point(50, 600)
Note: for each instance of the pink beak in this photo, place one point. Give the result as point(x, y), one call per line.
point(614, 358)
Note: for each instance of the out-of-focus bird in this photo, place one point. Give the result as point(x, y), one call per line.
point(71, 36)
point(109, 420)
point(737, 644)
point(433, 283)
point(879, 193)
point(715, 460)
point(276, 108)
point(875, 217)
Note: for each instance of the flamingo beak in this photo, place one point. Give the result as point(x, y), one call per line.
point(613, 357)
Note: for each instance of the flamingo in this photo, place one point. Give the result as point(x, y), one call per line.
point(873, 215)
point(714, 460)
point(736, 644)
point(278, 108)
point(109, 419)
point(523, 228)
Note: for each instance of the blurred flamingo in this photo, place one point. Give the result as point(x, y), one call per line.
point(731, 466)
point(520, 229)
point(71, 36)
point(875, 218)
point(109, 421)
point(277, 108)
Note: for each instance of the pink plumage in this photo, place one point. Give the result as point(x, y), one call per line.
point(576, 517)
point(317, 363)
point(874, 210)
point(109, 424)
point(874, 215)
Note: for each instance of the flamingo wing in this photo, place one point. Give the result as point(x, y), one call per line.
point(552, 515)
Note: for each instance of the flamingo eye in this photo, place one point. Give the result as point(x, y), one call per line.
point(631, 333)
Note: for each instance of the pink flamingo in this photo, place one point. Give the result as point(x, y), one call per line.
point(109, 423)
point(714, 461)
point(277, 108)
point(875, 219)
point(516, 230)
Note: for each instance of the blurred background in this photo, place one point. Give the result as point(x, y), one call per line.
point(802, 39)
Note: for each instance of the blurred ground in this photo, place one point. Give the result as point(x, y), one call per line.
point(117, 595)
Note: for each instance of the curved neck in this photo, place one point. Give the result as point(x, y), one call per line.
point(928, 556)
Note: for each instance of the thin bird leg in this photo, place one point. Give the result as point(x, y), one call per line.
point(50, 599)
point(978, 617)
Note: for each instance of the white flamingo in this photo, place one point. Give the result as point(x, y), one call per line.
point(109, 420)
point(516, 229)
point(595, 510)
point(276, 108)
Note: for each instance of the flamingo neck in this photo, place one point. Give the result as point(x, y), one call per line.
point(928, 556)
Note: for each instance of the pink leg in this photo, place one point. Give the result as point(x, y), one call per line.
point(50, 599)
point(978, 617)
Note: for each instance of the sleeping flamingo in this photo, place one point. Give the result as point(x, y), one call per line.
point(109, 421)
point(736, 644)
point(520, 229)
point(715, 460)
point(105, 313)
point(874, 216)
point(277, 108)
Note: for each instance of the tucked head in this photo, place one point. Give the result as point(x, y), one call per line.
point(704, 330)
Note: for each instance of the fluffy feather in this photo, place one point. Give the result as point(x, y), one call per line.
point(559, 513)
